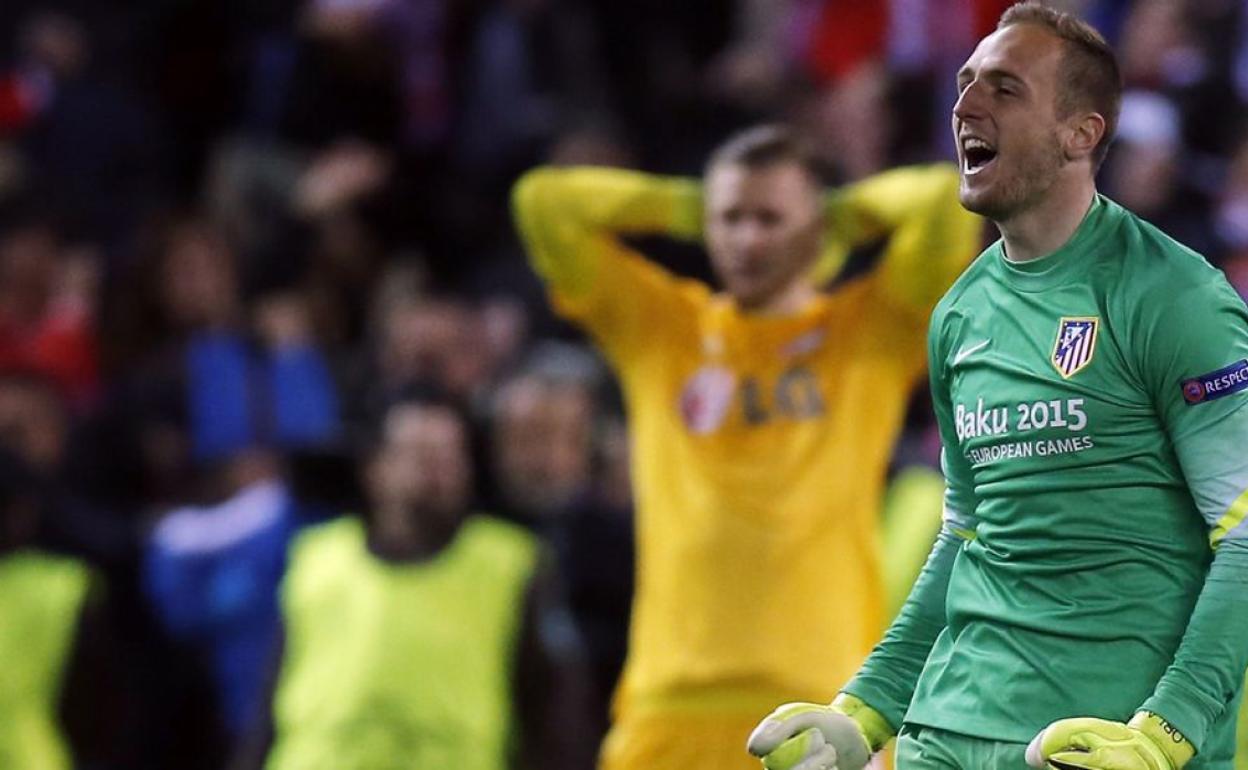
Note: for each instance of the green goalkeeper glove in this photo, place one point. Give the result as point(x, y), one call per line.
point(1147, 742)
point(808, 736)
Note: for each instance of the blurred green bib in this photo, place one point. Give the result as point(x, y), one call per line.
point(390, 666)
point(40, 600)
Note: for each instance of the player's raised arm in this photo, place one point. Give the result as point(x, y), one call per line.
point(571, 218)
point(930, 236)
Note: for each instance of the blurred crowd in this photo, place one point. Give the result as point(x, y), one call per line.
point(234, 233)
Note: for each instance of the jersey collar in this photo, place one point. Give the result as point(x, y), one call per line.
point(1057, 268)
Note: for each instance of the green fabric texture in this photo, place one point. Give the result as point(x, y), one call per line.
point(400, 665)
point(41, 598)
point(886, 680)
point(1093, 414)
point(926, 748)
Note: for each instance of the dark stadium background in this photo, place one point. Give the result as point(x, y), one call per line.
point(331, 176)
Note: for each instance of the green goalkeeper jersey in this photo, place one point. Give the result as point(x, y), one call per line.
point(1093, 405)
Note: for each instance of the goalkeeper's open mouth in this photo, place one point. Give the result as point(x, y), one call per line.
point(977, 154)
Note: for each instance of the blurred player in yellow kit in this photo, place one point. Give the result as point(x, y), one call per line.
point(762, 418)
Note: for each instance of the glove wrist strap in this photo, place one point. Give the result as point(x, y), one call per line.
point(1178, 749)
point(874, 727)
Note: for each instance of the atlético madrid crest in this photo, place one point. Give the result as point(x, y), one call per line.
point(1076, 342)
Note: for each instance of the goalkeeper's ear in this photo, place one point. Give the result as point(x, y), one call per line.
point(1081, 136)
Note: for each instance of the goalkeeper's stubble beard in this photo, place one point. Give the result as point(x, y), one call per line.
point(1020, 178)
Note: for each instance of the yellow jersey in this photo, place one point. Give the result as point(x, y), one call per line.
point(759, 444)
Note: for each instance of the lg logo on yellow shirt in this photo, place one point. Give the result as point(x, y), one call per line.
point(708, 397)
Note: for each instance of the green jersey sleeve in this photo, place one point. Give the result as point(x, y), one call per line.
point(1194, 360)
point(1194, 347)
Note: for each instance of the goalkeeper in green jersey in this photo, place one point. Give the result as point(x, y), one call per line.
point(1086, 603)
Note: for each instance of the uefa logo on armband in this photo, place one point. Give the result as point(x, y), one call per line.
point(1214, 385)
point(1193, 391)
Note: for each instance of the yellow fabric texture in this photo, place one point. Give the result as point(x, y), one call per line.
point(680, 742)
point(41, 598)
point(688, 742)
point(759, 444)
point(1241, 736)
point(400, 665)
point(912, 511)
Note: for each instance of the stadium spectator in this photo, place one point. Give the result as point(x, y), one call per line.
point(211, 573)
point(423, 635)
point(541, 427)
point(431, 342)
point(544, 441)
point(63, 696)
point(1144, 172)
point(82, 135)
point(47, 309)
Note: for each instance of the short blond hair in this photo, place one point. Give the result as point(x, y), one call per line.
point(766, 145)
point(1088, 72)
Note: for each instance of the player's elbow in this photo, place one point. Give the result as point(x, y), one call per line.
point(532, 191)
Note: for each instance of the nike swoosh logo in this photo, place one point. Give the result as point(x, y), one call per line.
point(964, 352)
